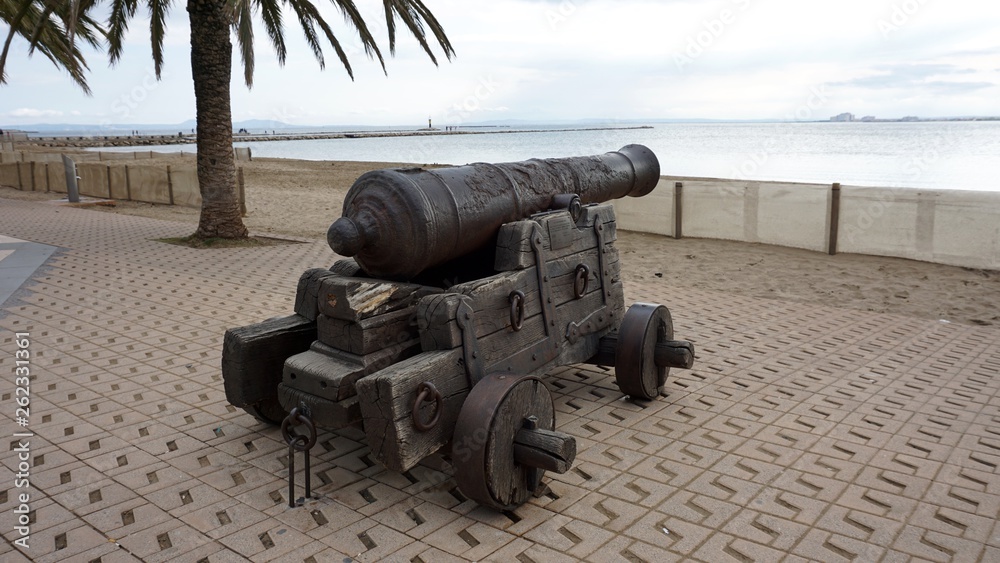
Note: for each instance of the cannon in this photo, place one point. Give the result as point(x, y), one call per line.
point(399, 222)
point(454, 362)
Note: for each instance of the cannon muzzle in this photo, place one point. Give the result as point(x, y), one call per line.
point(398, 222)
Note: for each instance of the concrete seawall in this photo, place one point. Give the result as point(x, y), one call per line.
point(174, 182)
point(954, 227)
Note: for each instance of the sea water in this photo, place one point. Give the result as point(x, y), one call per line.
point(936, 155)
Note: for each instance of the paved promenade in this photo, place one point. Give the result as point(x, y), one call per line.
point(803, 433)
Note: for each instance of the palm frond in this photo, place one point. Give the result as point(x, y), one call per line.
point(414, 14)
point(45, 24)
point(306, 22)
point(270, 13)
point(122, 12)
point(353, 18)
point(243, 24)
point(341, 54)
point(14, 16)
point(157, 30)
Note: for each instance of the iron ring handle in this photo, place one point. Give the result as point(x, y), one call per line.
point(425, 391)
point(582, 279)
point(296, 440)
point(516, 309)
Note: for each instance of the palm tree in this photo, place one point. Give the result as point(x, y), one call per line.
point(51, 27)
point(211, 70)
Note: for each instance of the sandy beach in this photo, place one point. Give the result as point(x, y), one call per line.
point(300, 198)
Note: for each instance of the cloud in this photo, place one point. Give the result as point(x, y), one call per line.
point(917, 76)
point(32, 112)
point(951, 88)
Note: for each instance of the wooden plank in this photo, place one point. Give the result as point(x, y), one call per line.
point(388, 396)
point(332, 332)
point(354, 299)
point(562, 231)
point(491, 303)
point(324, 412)
point(490, 300)
point(514, 251)
point(368, 335)
point(307, 292)
point(253, 356)
point(347, 267)
point(330, 373)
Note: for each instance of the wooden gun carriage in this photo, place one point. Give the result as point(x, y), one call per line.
point(443, 343)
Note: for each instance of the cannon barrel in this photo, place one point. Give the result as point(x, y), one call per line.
point(397, 223)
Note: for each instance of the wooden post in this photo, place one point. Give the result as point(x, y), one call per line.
point(128, 185)
point(108, 176)
point(834, 217)
point(678, 209)
point(243, 197)
point(170, 186)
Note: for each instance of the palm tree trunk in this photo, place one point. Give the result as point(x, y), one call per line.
point(211, 69)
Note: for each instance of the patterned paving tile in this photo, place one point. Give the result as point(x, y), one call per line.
point(802, 433)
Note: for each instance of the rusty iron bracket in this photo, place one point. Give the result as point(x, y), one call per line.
point(590, 324)
point(298, 443)
point(544, 289)
point(602, 262)
point(598, 319)
point(474, 368)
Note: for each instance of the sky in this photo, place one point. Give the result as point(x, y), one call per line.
point(558, 60)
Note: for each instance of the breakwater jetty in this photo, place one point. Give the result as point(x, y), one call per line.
point(95, 141)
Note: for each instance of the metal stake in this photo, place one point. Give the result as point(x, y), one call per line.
point(298, 442)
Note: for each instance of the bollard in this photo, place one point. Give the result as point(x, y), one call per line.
point(72, 191)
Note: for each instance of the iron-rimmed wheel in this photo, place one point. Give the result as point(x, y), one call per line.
point(644, 325)
point(506, 425)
